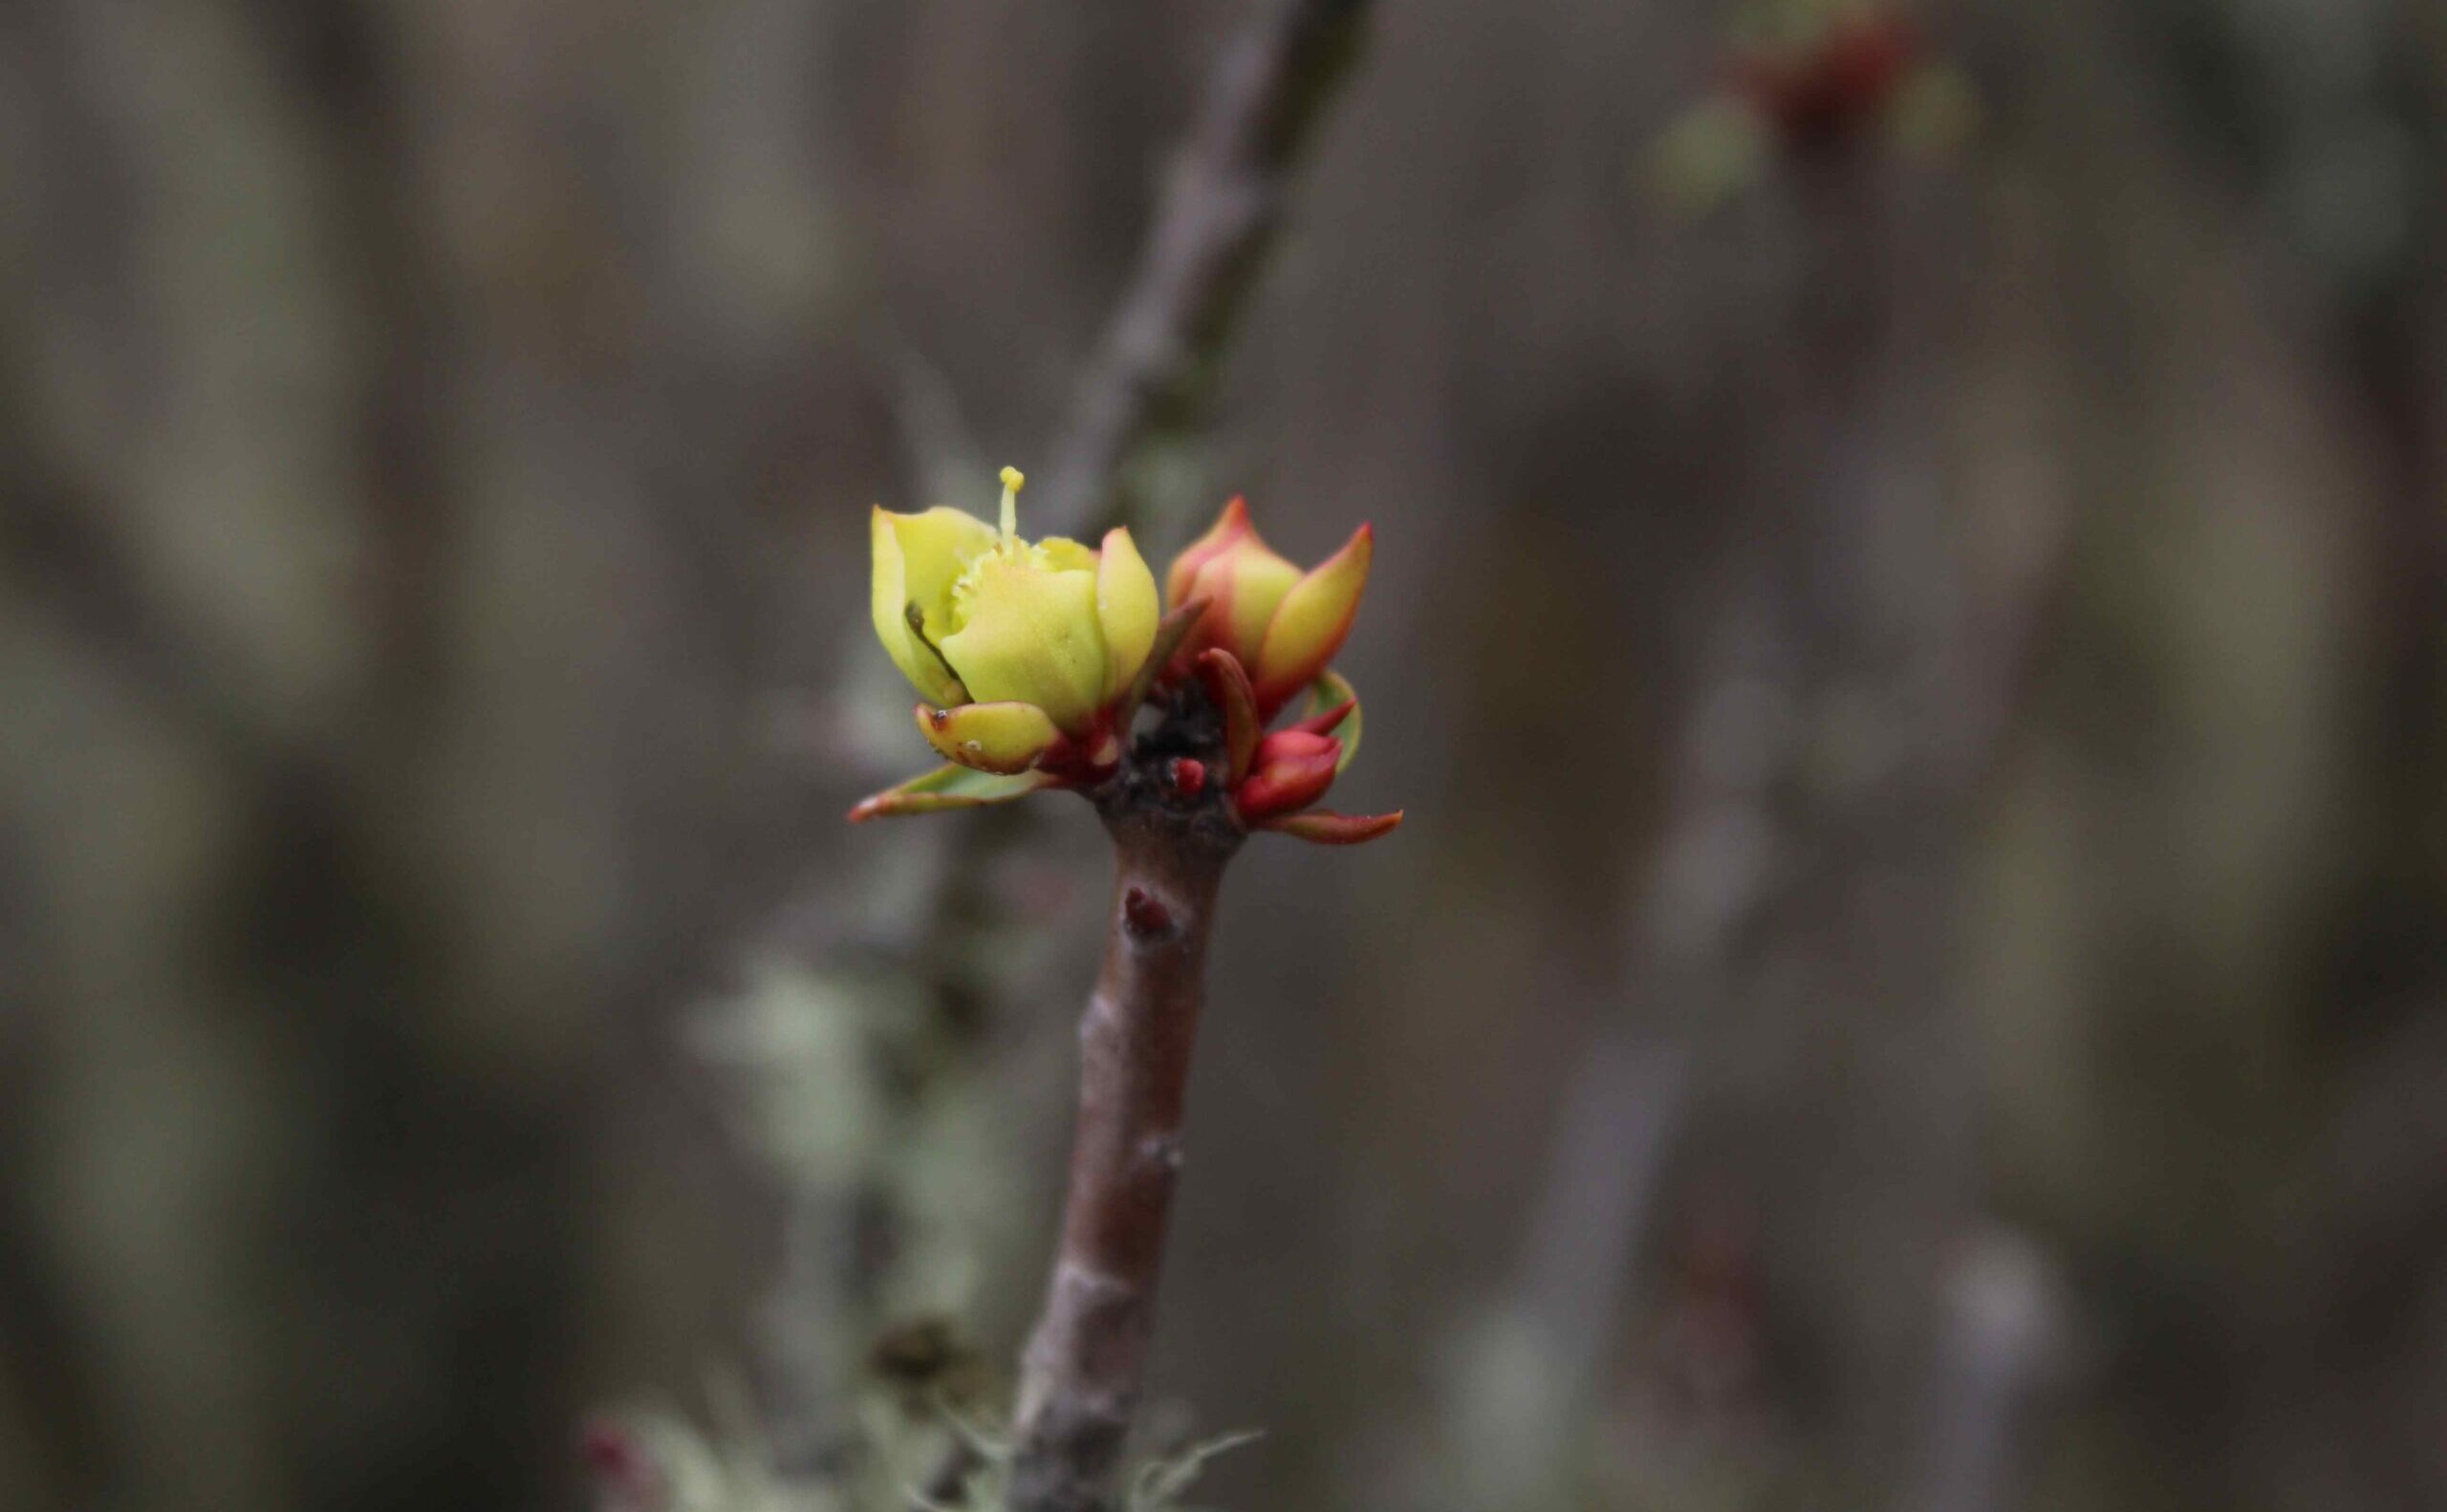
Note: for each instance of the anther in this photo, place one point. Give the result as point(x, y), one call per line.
point(1014, 481)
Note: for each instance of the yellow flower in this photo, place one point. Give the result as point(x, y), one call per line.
point(1281, 625)
point(1034, 657)
point(1021, 645)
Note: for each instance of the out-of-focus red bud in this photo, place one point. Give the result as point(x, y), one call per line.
point(1843, 81)
point(1871, 57)
point(1292, 769)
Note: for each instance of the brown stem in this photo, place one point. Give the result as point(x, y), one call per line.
point(1080, 1378)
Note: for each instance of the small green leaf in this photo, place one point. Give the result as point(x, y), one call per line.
point(948, 787)
point(1161, 1484)
point(1331, 691)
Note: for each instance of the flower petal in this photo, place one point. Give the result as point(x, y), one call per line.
point(1031, 636)
point(1127, 609)
point(1247, 582)
point(911, 569)
point(1311, 622)
point(1003, 738)
point(948, 787)
point(937, 545)
point(1325, 826)
point(1067, 554)
point(1229, 527)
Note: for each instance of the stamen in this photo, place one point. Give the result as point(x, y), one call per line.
point(1009, 552)
point(1014, 481)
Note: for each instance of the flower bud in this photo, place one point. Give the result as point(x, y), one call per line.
point(1282, 626)
point(1292, 769)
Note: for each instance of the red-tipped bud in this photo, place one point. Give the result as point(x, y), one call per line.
point(1188, 776)
point(1281, 625)
point(1291, 769)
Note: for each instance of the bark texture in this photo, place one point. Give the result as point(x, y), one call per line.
point(1085, 1362)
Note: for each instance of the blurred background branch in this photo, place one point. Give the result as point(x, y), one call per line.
point(1162, 355)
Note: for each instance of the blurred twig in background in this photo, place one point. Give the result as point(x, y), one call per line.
point(1219, 212)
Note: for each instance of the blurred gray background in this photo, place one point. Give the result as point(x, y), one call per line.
point(1913, 978)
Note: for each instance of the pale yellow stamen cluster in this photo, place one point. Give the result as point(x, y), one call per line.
point(1009, 549)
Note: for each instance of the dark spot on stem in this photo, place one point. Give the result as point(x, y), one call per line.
point(1145, 914)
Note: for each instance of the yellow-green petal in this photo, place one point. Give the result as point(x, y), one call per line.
point(1247, 582)
point(1228, 527)
point(1126, 609)
point(1067, 554)
point(917, 559)
point(889, 599)
point(939, 544)
point(1031, 635)
point(1312, 621)
point(1003, 738)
